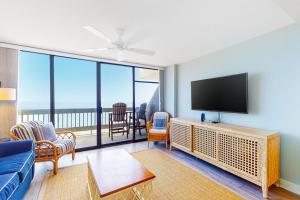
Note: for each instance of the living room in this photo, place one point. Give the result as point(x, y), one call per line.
point(149, 99)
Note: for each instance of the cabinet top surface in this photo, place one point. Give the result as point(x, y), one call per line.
point(227, 127)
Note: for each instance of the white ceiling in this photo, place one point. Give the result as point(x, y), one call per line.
point(292, 7)
point(178, 30)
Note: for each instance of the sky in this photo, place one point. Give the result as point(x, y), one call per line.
point(75, 83)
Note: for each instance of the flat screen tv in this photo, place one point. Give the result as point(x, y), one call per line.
point(222, 94)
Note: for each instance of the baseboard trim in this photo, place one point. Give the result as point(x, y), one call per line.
point(290, 186)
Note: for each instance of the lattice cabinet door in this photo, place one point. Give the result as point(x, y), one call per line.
point(241, 154)
point(205, 142)
point(181, 135)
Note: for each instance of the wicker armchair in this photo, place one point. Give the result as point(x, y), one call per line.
point(159, 133)
point(46, 150)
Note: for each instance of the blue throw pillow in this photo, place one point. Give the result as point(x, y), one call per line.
point(48, 131)
point(160, 123)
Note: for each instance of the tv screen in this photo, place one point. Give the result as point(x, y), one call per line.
point(222, 94)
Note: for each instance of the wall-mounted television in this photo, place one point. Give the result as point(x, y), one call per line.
point(222, 94)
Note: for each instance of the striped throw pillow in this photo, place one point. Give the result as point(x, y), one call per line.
point(37, 129)
point(24, 131)
point(38, 133)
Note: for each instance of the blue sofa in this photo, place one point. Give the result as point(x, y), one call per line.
point(16, 168)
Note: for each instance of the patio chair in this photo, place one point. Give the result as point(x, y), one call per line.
point(141, 117)
point(158, 127)
point(118, 120)
point(45, 150)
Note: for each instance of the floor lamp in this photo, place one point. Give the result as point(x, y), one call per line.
point(7, 94)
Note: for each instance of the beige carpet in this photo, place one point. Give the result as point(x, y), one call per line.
point(173, 181)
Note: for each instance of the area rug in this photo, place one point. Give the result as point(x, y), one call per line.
point(174, 181)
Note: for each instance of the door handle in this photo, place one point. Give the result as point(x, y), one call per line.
point(100, 109)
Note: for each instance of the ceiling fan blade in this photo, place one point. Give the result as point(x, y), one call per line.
point(92, 50)
point(97, 33)
point(141, 51)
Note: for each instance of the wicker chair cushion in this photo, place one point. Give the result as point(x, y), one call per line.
point(64, 145)
point(24, 131)
point(160, 120)
point(157, 131)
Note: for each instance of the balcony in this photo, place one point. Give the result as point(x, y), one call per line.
point(82, 122)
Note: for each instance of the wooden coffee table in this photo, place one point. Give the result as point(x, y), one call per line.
point(116, 174)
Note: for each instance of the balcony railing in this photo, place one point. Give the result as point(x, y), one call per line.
point(73, 119)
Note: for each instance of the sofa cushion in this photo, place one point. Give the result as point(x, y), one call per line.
point(20, 163)
point(8, 184)
point(15, 147)
point(64, 145)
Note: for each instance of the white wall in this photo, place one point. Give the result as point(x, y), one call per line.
point(273, 64)
point(8, 78)
point(170, 90)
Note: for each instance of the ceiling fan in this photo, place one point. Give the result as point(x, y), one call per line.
point(119, 44)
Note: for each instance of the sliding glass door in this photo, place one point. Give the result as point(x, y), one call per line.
point(116, 103)
point(75, 99)
point(102, 103)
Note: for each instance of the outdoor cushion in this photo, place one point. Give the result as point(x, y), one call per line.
point(8, 184)
point(20, 163)
point(64, 145)
point(48, 132)
point(160, 120)
point(157, 131)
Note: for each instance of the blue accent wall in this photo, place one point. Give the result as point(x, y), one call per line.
point(273, 64)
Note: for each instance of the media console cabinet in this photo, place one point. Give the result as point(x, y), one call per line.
point(250, 153)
